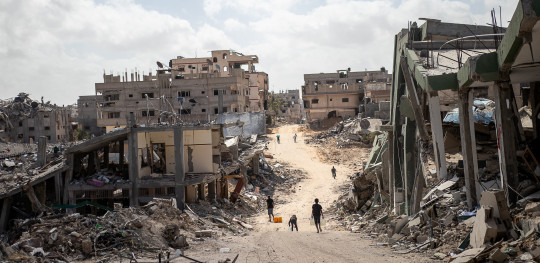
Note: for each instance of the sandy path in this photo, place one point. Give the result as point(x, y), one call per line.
point(318, 184)
point(274, 243)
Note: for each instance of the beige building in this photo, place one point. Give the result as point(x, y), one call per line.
point(337, 94)
point(189, 90)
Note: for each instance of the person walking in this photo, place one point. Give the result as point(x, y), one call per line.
point(294, 137)
point(277, 136)
point(334, 172)
point(293, 223)
point(316, 214)
point(270, 207)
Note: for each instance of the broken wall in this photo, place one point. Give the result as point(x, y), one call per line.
point(254, 123)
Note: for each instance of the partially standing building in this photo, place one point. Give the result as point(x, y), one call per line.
point(192, 89)
point(339, 94)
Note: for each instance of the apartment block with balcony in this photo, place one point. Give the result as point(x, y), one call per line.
point(339, 94)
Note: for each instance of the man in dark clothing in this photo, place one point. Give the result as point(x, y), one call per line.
point(270, 206)
point(293, 223)
point(316, 213)
point(334, 172)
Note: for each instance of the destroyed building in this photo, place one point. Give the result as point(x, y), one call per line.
point(480, 160)
point(190, 89)
point(87, 114)
point(288, 105)
point(339, 94)
point(25, 120)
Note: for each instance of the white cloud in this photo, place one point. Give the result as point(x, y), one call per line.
point(59, 48)
point(232, 24)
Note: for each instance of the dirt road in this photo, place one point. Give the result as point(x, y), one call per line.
point(274, 243)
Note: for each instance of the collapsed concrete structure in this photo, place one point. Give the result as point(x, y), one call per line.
point(488, 156)
point(288, 105)
point(25, 120)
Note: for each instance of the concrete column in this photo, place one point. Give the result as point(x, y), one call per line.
point(42, 151)
point(134, 167)
point(218, 189)
point(468, 146)
point(4, 217)
point(437, 134)
point(179, 173)
point(409, 161)
point(58, 188)
point(212, 190)
point(391, 181)
point(191, 194)
point(201, 191)
point(69, 176)
point(506, 139)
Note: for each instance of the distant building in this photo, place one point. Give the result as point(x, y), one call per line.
point(339, 94)
point(189, 89)
point(29, 119)
point(291, 105)
point(87, 114)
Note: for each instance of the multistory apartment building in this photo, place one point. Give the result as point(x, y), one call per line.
point(189, 89)
point(339, 94)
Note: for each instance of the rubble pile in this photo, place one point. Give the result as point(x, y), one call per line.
point(445, 228)
point(146, 231)
point(351, 132)
point(276, 176)
point(21, 107)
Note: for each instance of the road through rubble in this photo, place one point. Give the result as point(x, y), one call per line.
point(272, 242)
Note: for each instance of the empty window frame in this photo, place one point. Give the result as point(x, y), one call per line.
point(113, 115)
point(147, 113)
point(184, 111)
point(216, 92)
point(314, 101)
point(344, 99)
point(185, 93)
point(344, 86)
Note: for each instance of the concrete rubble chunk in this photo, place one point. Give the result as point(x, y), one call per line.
point(485, 228)
point(498, 256)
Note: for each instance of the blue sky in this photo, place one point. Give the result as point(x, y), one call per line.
point(59, 48)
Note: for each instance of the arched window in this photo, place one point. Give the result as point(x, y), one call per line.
point(215, 59)
point(224, 55)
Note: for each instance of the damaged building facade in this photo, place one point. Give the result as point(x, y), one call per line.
point(87, 114)
point(289, 104)
point(190, 89)
point(486, 148)
point(339, 94)
point(25, 120)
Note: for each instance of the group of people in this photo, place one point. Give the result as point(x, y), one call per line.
point(316, 208)
point(316, 215)
point(278, 141)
